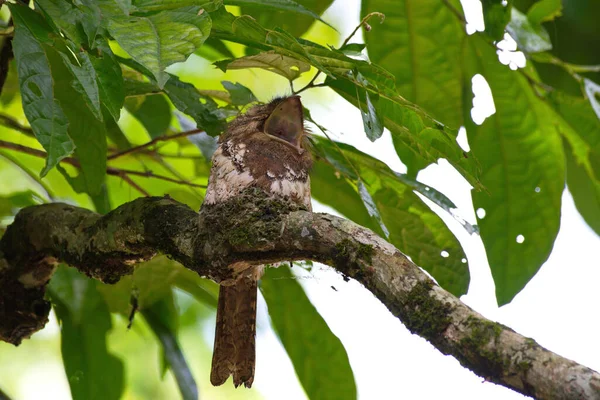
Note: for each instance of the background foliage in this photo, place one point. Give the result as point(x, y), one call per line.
point(96, 110)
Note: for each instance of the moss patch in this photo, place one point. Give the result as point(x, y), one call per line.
point(353, 259)
point(424, 314)
point(480, 348)
point(248, 222)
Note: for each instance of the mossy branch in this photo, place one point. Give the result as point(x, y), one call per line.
point(224, 240)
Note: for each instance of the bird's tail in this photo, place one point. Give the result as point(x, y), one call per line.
point(234, 351)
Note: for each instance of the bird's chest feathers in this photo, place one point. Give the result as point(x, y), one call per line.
point(269, 165)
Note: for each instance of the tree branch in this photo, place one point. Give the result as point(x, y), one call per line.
point(223, 240)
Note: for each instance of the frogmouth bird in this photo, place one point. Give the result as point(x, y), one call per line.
point(263, 148)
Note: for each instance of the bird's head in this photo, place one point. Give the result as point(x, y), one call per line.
point(282, 120)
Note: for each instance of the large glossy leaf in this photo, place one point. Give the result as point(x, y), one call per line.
point(92, 372)
point(159, 40)
point(395, 212)
point(290, 20)
point(427, 140)
point(318, 356)
point(522, 160)
point(31, 45)
point(162, 318)
point(419, 43)
point(581, 129)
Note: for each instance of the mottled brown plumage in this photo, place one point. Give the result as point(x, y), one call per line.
point(263, 148)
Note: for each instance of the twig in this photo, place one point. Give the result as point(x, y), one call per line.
point(109, 170)
point(364, 22)
point(12, 123)
point(157, 139)
point(311, 84)
point(133, 184)
point(150, 174)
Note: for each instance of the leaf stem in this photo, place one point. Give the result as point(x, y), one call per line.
point(12, 123)
point(364, 22)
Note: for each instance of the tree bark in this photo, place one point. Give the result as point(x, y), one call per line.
point(224, 240)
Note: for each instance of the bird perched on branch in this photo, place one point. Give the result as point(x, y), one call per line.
point(263, 148)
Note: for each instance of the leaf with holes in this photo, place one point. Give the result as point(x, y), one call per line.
point(518, 148)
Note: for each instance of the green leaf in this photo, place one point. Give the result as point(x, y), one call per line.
point(529, 37)
point(544, 11)
point(318, 356)
point(66, 17)
point(110, 81)
point(31, 45)
point(85, 80)
point(428, 37)
point(354, 49)
point(161, 5)
point(159, 40)
point(388, 203)
point(202, 109)
point(581, 129)
point(279, 5)
point(371, 207)
point(288, 67)
point(372, 118)
point(246, 30)
point(495, 16)
point(290, 21)
point(425, 138)
point(88, 133)
point(522, 160)
point(162, 318)
point(154, 113)
point(240, 95)
point(92, 371)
